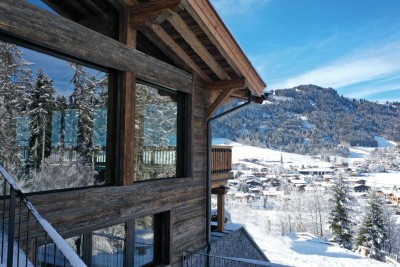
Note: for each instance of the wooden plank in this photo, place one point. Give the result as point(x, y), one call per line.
point(204, 14)
point(221, 212)
point(227, 85)
point(149, 11)
point(179, 51)
point(63, 36)
point(217, 103)
point(187, 34)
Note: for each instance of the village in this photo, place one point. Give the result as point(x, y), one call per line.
point(256, 179)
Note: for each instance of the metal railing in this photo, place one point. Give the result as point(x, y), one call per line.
point(221, 159)
point(26, 238)
point(193, 259)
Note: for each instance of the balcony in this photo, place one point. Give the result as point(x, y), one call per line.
point(221, 165)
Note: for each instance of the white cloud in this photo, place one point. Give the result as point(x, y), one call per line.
point(372, 89)
point(360, 66)
point(235, 7)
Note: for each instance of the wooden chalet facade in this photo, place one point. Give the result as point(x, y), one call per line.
point(175, 49)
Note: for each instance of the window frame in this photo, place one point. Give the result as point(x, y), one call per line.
point(182, 136)
point(112, 108)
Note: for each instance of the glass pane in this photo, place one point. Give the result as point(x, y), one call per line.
point(108, 247)
point(144, 241)
point(49, 255)
point(156, 124)
point(53, 129)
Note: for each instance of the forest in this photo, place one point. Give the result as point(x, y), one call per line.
point(312, 120)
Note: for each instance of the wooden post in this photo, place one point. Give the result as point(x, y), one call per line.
point(128, 100)
point(220, 192)
point(221, 212)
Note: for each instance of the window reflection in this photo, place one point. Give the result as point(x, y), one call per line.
point(53, 120)
point(156, 133)
point(144, 241)
point(108, 247)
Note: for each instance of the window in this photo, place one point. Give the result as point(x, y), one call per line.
point(136, 243)
point(53, 120)
point(108, 247)
point(158, 133)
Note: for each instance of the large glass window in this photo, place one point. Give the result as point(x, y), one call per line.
point(158, 133)
point(144, 241)
point(53, 120)
point(108, 247)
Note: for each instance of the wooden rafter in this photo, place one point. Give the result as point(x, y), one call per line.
point(204, 14)
point(131, 2)
point(149, 11)
point(187, 34)
point(227, 85)
point(179, 51)
point(218, 102)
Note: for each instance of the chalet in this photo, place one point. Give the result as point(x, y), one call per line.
point(361, 188)
point(120, 164)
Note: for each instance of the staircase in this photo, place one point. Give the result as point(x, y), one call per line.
point(26, 238)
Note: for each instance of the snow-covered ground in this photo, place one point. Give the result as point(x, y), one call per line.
point(295, 250)
point(299, 250)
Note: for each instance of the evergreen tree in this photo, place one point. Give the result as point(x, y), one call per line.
point(43, 103)
point(372, 232)
point(84, 99)
point(339, 219)
point(15, 82)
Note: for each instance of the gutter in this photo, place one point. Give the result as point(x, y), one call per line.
point(208, 177)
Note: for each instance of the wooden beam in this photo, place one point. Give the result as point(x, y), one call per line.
point(207, 18)
point(149, 11)
point(240, 83)
point(179, 51)
point(131, 2)
point(65, 37)
point(187, 34)
point(127, 103)
point(167, 51)
point(217, 103)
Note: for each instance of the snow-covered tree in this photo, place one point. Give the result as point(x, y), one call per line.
point(372, 233)
point(15, 81)
point(84, 99)
point(41, 106)
point(339, 217)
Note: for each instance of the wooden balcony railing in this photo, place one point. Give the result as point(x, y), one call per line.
point(221, 159)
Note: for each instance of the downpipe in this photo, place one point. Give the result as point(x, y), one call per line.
point(208, 177)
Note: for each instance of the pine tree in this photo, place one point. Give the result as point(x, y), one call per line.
point(339, 219)
point(372, 232)
point(41, 107)
point(15, 81)
point(84, 99)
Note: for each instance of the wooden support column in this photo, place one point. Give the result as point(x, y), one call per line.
point(127, 102)
point(221, 212)
point(220, 192)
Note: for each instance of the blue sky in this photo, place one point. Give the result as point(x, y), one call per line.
point(352, 46)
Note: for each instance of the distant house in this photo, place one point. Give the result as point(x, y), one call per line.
point(361, 188)
point(395, 198)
